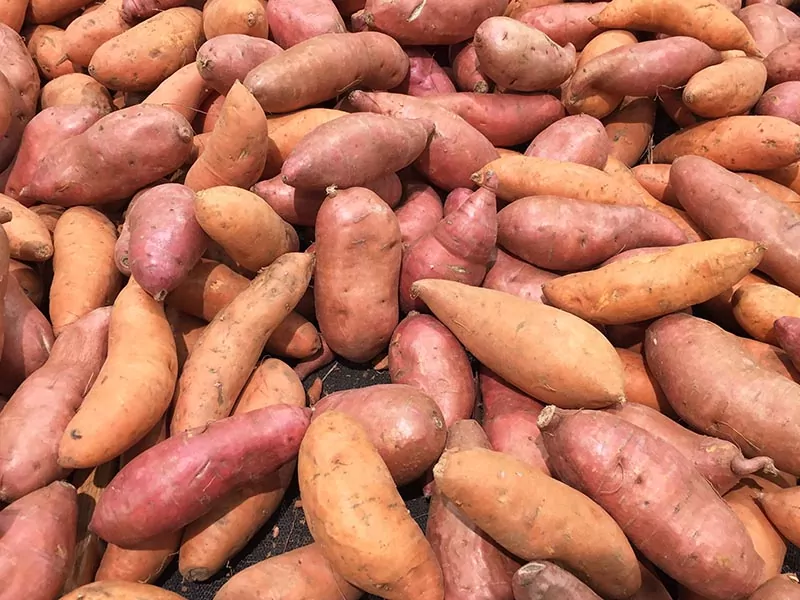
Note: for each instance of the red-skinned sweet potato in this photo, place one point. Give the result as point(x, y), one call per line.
point(540, 579)
point(787, 332)
point(577, 138)
point(783, 63)
point(225, 58)
point(425, 76)
point(466, 70)
point(565, 23)
point(782, 587)
point(292, 22)
point(771, 25)
point(137, 10)
point(420, 212)
point(513, 276)
point(781, 101)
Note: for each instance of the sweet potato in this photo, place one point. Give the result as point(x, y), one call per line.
point(723, 205)
point(578, 139)
point(560, 234)
point(781, 101)
point(342, 287)
point(225, 58)
point(405, 425)
point(28, 237)
point(323, 357)
point(572, 439)
point(71, 174)
point(136, 10)
point(44, 11)
point(12, 13)
point(472, 564)
point(335, 63)
point(236, 150)
point(459, 248)
point(244, 225)
point(126, 62)
point(640, 385)
point(782, 587)
point(630, 130)
point(28, 338)
point(774, 189)
point(76, 88)
point(94, 435)
point(730, 88)
point(772, 358)
point(293, 575)
point(37, 414)
point(771, 26)
point(46, 45)
point(28, 279)
point(466, 70)
point(781, 508)
point(723, 406)
point(757, 307)
point(538, 580)
point(20, 70)
point(92, 29)
point(537, 526)
point(638, 69)
point(787, 332)
point(425, 76)
point(423, 353)
point(355, 510)
point(38, 541)
point(518, 57)
point(247, 17)
point(783, 63)
point(710, 23)
point(564, 23)
point(293, 22)
point(216, 537)
point(366, 147)
point(183, 91)
point(286, 131)
point(120, 590)
point(233, 341)
point(516, 277)
point(186, 330)
point(541, 371)
point(437, 22)
point(457, 149)
point(419, 214)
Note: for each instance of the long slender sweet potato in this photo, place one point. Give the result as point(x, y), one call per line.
point(92, 29)
point(33, 421)
point(218, 367)
point(520, 57)
point(723, 204)
point(540, 579)
point(466, 71)
point(292, 22)
point(38, 542)
point(420, 212)
point(355, 511)
point(630, 130)
point(782, 587)
point(121, 590)
point(459, 248)
point(85, 276)
point(730, 88)
point(425, 76)
point(453, 154)
point(517, 346)
point(565, 23)
point(538, 518)
point(578, 139)
point(371, 59)
point(781, 508)
point(216, 537)
point(76, 88)
point(717, 388)
point(756, 308)
point(561, 234)
point(516, 277)
point(697, 516)
point(28, 237)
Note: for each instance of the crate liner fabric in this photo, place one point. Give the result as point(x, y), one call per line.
point(287, 529)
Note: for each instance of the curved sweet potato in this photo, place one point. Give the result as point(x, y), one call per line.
point(579, 139)
point(420, 212)
point(225, 58)
point(292, 21)
point(466, 70)
point(516, 277)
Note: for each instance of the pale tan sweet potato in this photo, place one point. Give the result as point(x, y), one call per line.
point(247, 17)
point(730, 88)
point(28, 236)
point(578, 139)
point(756, 308)
point(46, 45)
point(76, 88)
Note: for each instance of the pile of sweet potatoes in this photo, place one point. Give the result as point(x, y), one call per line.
point(568, 231)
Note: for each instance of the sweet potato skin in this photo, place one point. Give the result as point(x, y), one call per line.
point(541, 579)
point(577, 138)
point(781, 101)
point(466, 71)
point(513, 276)
point(286, 131)
point(782, 587)
point(136, 10)
point(783, 63)
point(781, 508)
point(730, 88)
point(46, 45)
point(120, 589)
point(572, 439)
point(707, 353)
point(419, 214)
point(76, 88)
point(565, 23)
point(92, 29)
point(293, 22)
point(425, 76)
point(226, 58)
point(756, 307)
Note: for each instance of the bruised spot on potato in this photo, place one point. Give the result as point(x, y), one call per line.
point(75, 434)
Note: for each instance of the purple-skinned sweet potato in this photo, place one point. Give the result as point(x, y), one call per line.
point(522, 58)
point(540, 579)
point(783, 63)
point(423, 353)
point(771, 25)
point(405, 425)
point(718, 389)
point(513, 276)
point(505, 119)
point(459, 248)
point(578, 139)
point(473, 565)
point(231, 56)
point(37, 542)
point(561, 234)
point(466, 71)
point(787, 331)
point(108, 161)
point(425, 76)
point(355, 149)
point(36, 415)
point(295, 21)
point(420, 212)
point(664, 506)
point(46, 129)
point(178, 480)
point(782, 100)
point(565, 23)
point(456, 150)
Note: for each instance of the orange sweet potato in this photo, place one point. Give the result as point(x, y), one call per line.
point(757, 307)
point(183, 91)
point(46, 45)
point(630, 130)
point(782, 587)
point(781, 508)
point(248, 17)
point(122, 590)
point(92, 29)
point(640, 385)
point(286, 131)
point(28, 236)
point(730, 88)
point(292, 22)
point(50, 11)
point(76, 88)
point(225, 58)
point(12, 13)
point(578, 139)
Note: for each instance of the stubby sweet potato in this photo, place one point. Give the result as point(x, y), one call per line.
point(781, 101)
point(516, 277)
point(538, 580)
point(466, 71)
point(436, 22)
point(71, 174)
point(76, 88)
point(120, 590)
point(370, 59)
point(294, 575)
point(578, 139)
point(724, 204)
point(756, 307)
point(518, 57)
point(226, 58)
point(28, 237)
point(539, 517)
point(292, 22)
point(560, 234)
point(248, 17)
point(711, 382)
point(459, 248)
point(420, 212)
point(46, 45)
point(423, 353)
point(38, 541)
point(565, 23)
point(453, 154)
point(425, 76)
point(355, 149)
point(783, 63)
point(730, 88)
point(517, 347)
point(782, 587)
point(404, 423)
point(770, 25)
